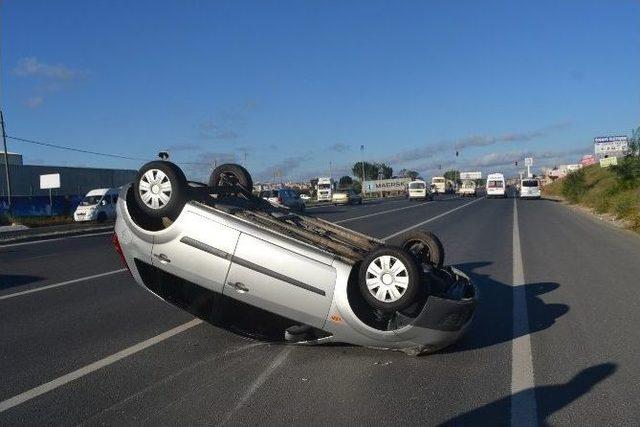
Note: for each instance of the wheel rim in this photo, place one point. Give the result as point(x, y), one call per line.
point(387, 278)
point(155, 189)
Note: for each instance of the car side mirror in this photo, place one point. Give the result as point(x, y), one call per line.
point(103, 203)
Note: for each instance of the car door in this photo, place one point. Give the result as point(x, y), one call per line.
point(272, 276)
point(196, 248)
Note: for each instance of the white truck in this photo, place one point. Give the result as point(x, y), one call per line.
point(325, 189)
point(438, 184)
point(469, 187)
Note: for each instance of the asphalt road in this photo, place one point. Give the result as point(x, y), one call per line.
point(555, 338)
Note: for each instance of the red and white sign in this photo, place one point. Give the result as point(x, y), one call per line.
point(588, 159)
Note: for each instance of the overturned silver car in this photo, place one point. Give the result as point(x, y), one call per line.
point(337, 285)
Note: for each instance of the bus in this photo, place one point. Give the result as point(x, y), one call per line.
point(325, 189)
point(439, 184)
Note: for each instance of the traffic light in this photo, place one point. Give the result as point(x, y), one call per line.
point(456, 154)
point(516, 163)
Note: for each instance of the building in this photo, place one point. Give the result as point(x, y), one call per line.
point(14, 158)
point(25, 179)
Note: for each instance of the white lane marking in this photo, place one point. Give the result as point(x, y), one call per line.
point(420, 224)
point(72, 376)
point(380, 213)
point(523, 398)
point(9, 245)
point(57, 285)
point(257, 383)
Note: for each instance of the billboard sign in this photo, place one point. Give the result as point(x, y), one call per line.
point(470, 175)
point(604, 145)
point(49, 181)
point(608, 161)
point(396, 184)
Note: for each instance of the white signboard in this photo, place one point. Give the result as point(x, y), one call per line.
point(609, 161)
point(528, 161)
point(574, 167)
point(49, 181)
point(610, 144)
point(398, 184)
point(470, 175)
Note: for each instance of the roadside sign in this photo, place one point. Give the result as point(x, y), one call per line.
point(49, 181)
point(470, 175)
point(528, 161)
point(398, 184)
point(588, 159)
point(608, 161)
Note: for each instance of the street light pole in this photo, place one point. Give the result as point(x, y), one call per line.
point(6, 162)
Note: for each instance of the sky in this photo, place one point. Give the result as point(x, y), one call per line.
point(299, 86)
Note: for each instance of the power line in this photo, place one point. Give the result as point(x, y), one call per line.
point(96, 153)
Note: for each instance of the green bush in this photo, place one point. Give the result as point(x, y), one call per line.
point(628, 171)
point(574, 186)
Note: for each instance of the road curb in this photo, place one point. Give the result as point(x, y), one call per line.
point(46, 235)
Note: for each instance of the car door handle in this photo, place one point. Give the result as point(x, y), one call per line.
point(162, 258)
point(239, 287)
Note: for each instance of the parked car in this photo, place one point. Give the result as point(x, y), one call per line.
point(285, 197)
point(346, 197)
point(98, 205)
point(305, 197)
point(179, 238)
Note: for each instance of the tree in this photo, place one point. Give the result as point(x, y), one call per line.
point(345, 182)
point(407, 173)
point(371, 170)
point(453, 176)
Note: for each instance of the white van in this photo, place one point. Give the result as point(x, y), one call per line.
point(468, 188)
point(496, 185)
point(529, 188)
point(418, 190)
point(98, 205)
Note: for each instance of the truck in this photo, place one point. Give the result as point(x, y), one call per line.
point(469, 187)
point(325, 189)
point(438, 185)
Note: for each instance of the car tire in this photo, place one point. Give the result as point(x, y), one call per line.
point(389, 279)
point(302, 209)
point(102, 217)
point(425, 247)
point(160, 189)
point(230, 174)
point(360, 202)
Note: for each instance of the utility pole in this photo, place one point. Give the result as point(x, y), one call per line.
point(330, 169)
point(6, 162)
point(362, 164)
point(245, 160)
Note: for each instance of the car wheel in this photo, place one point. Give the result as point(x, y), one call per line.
point(160, 189)
point(230, 174)
point(425, 247)
point(360, 202)
point(302, 208)
point(389, 279)
point(102, 217)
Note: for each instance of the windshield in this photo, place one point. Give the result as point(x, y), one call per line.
point(530, 183)
point(437, 180)
point(468, 184)
point(90, 200)
point(495, 184)
point(324, 186)
point(417, 186)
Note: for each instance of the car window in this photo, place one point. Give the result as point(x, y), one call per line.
point(107, 199)
point(114, 198)
point(530, 183)
point(495, 184)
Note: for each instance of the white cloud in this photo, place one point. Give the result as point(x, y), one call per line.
point(32, 67)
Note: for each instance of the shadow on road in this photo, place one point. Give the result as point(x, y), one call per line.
point(12, 280)
point(493, 323)
point(550, 398)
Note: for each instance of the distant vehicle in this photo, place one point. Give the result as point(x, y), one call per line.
point(439, 184)
point(418, 191)
point(346, 197)
point(285, 197)
point(529, 188)
point(305, 197)
point(468, 188)
point(325, 189)
point(98, 205)
point(496, 185)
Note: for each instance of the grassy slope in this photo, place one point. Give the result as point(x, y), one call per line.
point(603, 194)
